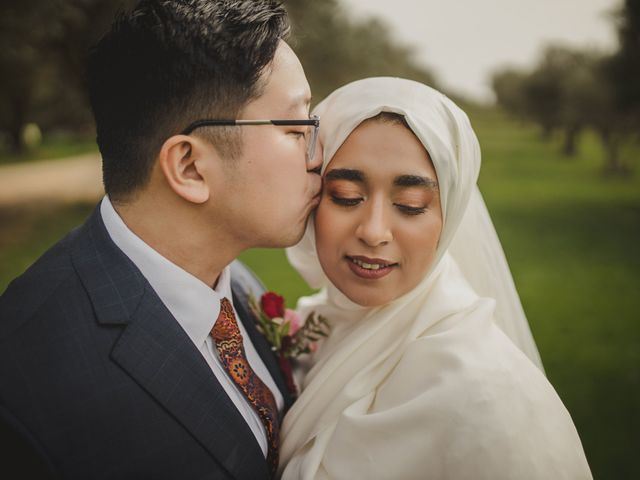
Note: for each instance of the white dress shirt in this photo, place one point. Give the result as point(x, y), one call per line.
point(195, 306)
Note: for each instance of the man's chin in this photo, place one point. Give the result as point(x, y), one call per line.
point(284, 239)
point(286, 236)
point(295, 234)
point(292, 239)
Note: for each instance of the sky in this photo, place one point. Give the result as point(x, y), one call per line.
point(463, 41)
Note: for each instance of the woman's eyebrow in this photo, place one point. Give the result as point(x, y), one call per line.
point(345, 174)
point(415, 181)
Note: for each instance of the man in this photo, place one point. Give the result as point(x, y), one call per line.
point(127, 351)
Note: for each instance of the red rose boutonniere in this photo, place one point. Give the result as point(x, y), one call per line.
point(283, 329)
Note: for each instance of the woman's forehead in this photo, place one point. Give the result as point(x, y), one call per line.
point(381, 145)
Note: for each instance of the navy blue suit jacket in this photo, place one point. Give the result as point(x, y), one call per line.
point(100, 381)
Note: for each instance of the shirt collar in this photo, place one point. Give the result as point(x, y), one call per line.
point(194, 304)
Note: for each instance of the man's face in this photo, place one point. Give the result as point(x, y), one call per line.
point(270, 189)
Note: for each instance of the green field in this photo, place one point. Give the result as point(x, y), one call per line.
point(572, 237)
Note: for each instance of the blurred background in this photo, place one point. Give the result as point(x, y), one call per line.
point(552, 89)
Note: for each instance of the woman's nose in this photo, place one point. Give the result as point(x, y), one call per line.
point(374, 229)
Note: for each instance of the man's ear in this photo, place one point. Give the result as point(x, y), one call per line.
point(183, 161)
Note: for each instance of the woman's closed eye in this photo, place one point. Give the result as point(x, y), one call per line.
point(410, 210)
point(413, 201)
point(346, 201)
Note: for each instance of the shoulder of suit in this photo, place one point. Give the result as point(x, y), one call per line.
point(27, 293)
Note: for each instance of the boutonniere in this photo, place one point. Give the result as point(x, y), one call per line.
point(283, 329)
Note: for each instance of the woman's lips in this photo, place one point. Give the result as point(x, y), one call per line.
point(369, 268)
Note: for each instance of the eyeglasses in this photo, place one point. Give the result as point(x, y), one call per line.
point(311, 135)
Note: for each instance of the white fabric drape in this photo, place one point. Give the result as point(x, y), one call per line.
point(427, 386)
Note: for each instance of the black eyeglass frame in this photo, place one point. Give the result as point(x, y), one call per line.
point(313, 121)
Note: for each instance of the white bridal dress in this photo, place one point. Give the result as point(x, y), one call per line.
point(446, 381)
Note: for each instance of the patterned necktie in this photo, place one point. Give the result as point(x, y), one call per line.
point(228, 339)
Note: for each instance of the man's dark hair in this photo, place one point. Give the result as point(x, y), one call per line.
point(167, 63)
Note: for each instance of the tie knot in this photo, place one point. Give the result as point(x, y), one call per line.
point(226, 326)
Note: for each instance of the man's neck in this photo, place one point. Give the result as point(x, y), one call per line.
point(182, 236)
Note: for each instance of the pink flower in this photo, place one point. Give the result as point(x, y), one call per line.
point(292, 317)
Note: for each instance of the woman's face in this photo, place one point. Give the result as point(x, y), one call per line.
point(379, 219)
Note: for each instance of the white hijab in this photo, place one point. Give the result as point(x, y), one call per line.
point(468, 234)
point(426, 386)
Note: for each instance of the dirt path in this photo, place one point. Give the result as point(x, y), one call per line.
point(63, 180)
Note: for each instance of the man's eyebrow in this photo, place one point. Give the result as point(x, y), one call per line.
point(345, 174)
point(415, 181)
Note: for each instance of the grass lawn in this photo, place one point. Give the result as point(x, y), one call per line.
point(571, 236)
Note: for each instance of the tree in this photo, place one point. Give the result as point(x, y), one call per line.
point(624, 68)
point(22, 62)
point(43, 47)
point(508, 86)
point(569, 90)
point(553, 94)
point(583, 93)
point(336, 50)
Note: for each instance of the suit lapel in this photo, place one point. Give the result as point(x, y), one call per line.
point(158, 355)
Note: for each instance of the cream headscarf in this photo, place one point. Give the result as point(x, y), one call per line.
point(426, 386)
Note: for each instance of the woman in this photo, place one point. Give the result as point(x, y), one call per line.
point(416, 379)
